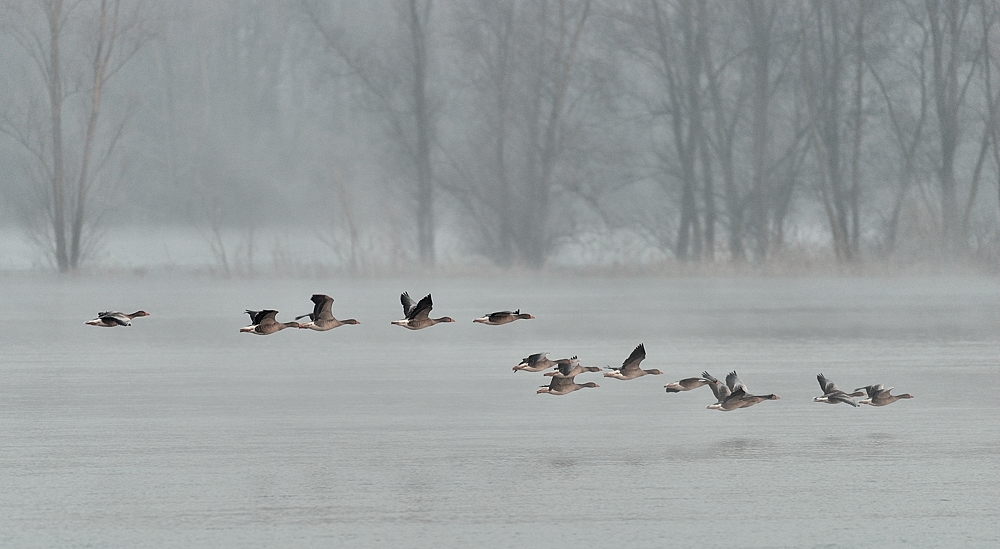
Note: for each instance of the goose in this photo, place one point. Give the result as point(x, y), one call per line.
point(724, 399)
point(263, 323)
point(417, 315)
point(630, 368)
point(503, 317)
point(561, 385)
point(686, 384)
point(735, 394)
point(832, 394)
point(539, 363)
point(322, 315)
point(878, 395)
point(571, 369)
point(110, 319)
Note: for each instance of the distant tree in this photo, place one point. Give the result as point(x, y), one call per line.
point(954, 65)
point(397, 77)
point(59, 117)
point(828, 36)
point(521, 64)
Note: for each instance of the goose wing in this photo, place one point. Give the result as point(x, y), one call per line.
point(421, 310)
point(499, 315)
point(841, 397)
point(873, 390)
point(265, 317)
point(826, 385)
point(255, 316)
point(734, 383)
point(561, 382)
point(404, 298)
point(719, 389)
point(109, 317)
point(634, 359)
point(532, 360)
point(323, 310)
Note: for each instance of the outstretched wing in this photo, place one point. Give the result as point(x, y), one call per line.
point(421, 310)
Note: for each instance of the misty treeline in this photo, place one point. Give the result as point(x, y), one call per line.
point(514, 131)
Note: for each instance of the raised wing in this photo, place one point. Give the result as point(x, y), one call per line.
point(255, 316)
point(323, 310)
point(421, 310)
point(404, 298)
point(734, 383)
point(826, 385)
point(634, 359)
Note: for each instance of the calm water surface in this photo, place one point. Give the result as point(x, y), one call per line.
point(182, 432)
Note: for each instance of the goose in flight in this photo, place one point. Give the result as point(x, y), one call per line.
point(264, 323)
point(686, 384)
point(832, 394)
point(630, 368)
point(110, 319)
point(878, 395)
point(322, 316)
point(538, 362)
point(503, 317)
point(417, 316)
point(734, 395)
point(561, 385)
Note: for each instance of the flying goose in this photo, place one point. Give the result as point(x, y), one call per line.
point(724, 399)
point(686, 384)
point(263, 323)
point(503, 317)
point(110, 319)
point(539, 363)
point(561, 385)
point(571, 369)
point(630, 368)
point(417, 315)
point(322, 315)
point(735, 394)
point(878, 395)
point(832, 394)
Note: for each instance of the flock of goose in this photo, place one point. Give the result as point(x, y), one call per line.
point(731, 395)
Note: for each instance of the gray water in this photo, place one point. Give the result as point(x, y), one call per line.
point(181, 432)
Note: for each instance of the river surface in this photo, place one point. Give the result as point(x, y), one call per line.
point(179, 431)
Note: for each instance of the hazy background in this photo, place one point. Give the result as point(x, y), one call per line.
point(310, 135)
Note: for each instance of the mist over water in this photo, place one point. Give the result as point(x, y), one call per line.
point(180, 431)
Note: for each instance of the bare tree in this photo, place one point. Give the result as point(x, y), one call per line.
point(953, 69)
point(397, 79)
point(74, 51)
point(521, 61)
